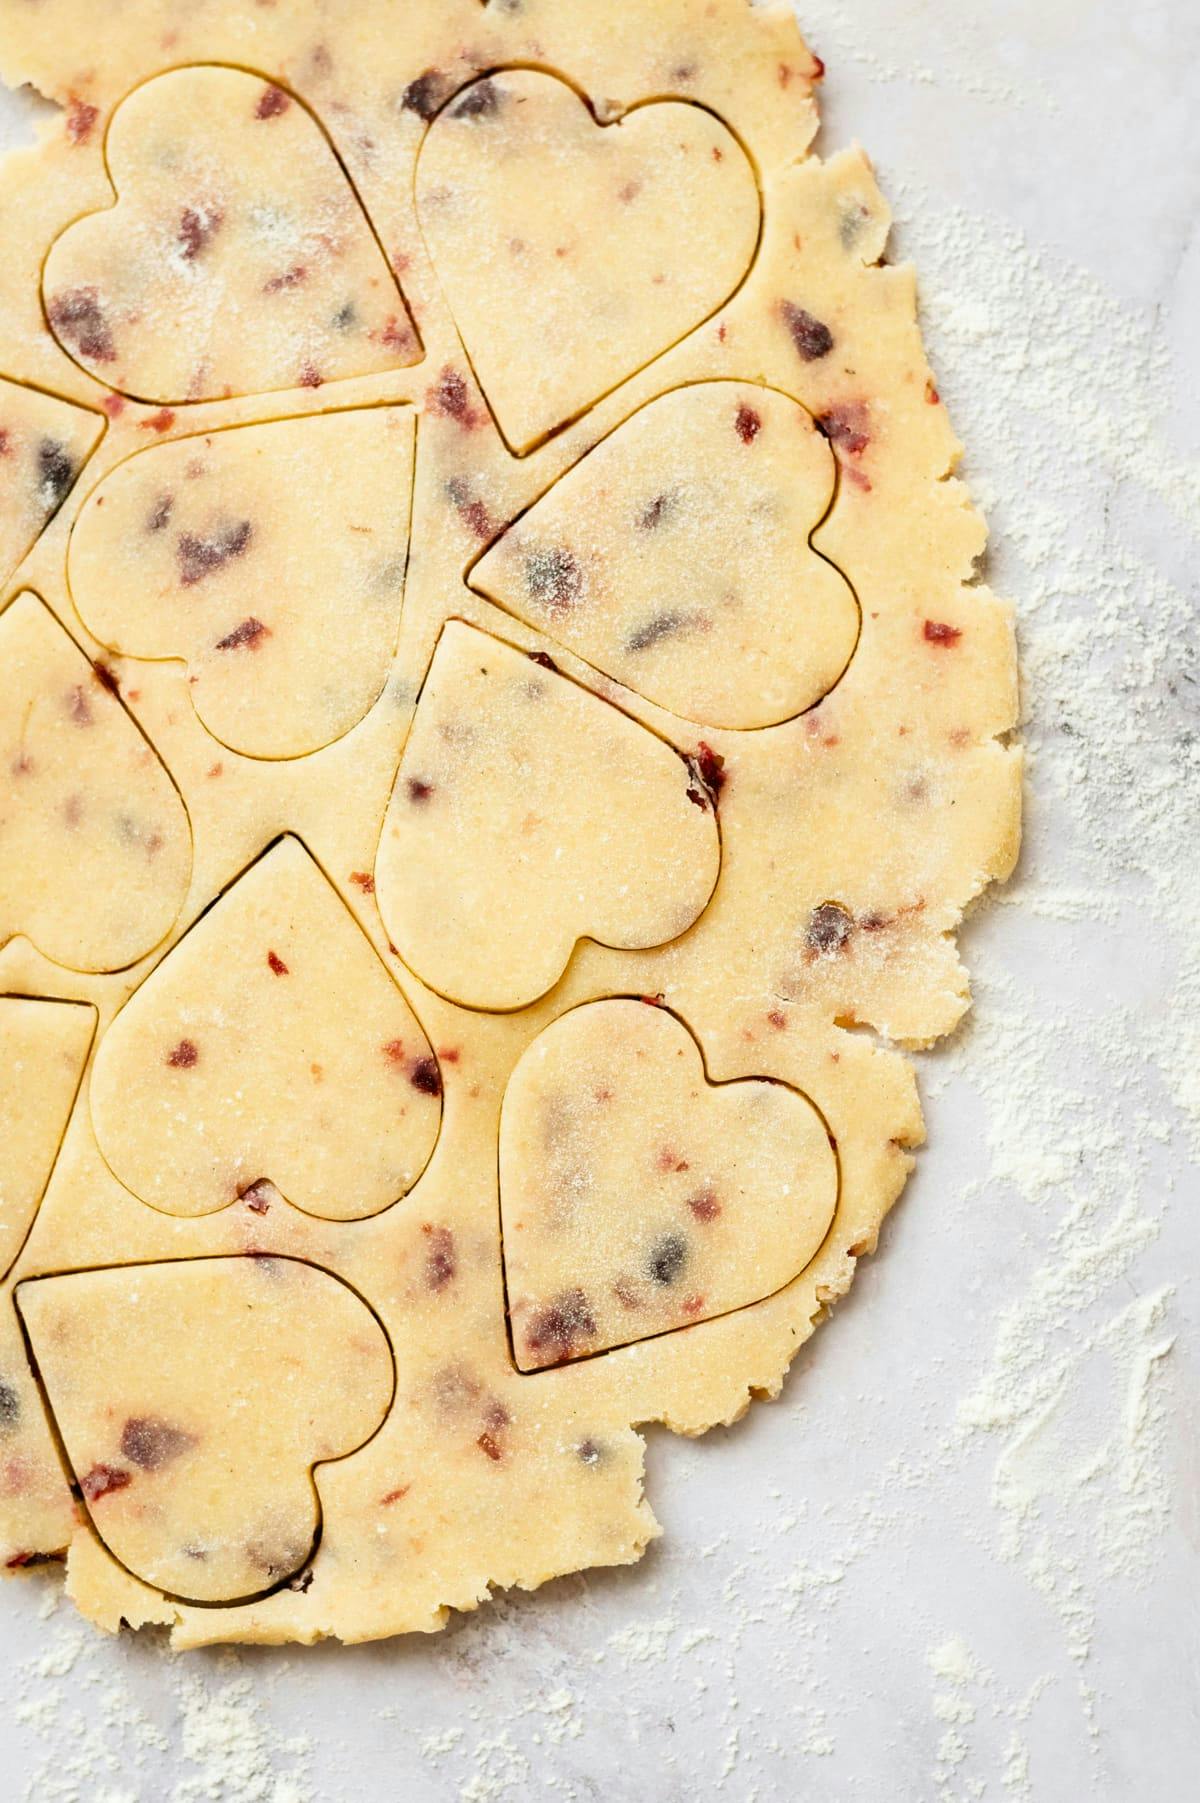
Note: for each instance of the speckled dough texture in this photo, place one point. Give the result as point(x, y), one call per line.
point(499, 726)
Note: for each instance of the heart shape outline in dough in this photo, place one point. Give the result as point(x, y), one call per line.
point(92, 297)
point(530, 370)
point(466, 752)
point(162, 1438)
point(184, 565)
point(179, 1053)
point(47, 439)
point(755, 415)
point(566, 1156)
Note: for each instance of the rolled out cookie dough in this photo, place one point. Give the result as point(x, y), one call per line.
point(498, 729)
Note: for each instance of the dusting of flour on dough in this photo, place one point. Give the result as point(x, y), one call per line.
point(1035, 360)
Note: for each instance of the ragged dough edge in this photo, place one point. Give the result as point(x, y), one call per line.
point(687, 1384)
point(852, 169)
point(887, 293)
point(783, 1323)
point(111, 1598)
point(106, 1593)
point(953, 999)
point(40, 51)
point(730, 1384)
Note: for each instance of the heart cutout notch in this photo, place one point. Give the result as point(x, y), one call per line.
point(235, 259)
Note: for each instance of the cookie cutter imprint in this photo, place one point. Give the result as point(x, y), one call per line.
point(557, 622)
point(234, 1009)
point(560, 1326)
point(806, 933)
point(50, 439)
point(95, 821)
point(102, 278)
point(214, 563)
point(507, 740)
point(259, 1545)
point(55, 1037)
point(483, 100)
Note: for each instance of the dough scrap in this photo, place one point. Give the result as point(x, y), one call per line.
point(686, 536)
point(43, 1049)
point(236, 258)
point(599, 244)
point(271, 558)
point(635, 1197)
point(154, 1373)
point(527, 814)
point(44, 443)
point(94, 842)
point(846, 812)
point(228, 1067)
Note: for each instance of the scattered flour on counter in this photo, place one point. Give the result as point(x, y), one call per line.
point(981, 1730)
point(1084, 1120)
point(434, 1747)
point(806, 1588)
point(842, 40)
point(225, 1735)
point(500, 1770)
point(1090, 1124)
point(955, 1710)
point(645, 1643)
point(100, 1745)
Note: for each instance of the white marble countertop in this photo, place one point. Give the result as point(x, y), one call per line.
point(958, 1559)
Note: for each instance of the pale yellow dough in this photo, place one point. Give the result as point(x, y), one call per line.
point(681, 548)
point(94, 844)
point(527, 814)
point(157, 1374)
point(230, 1065)
point(498, 733)
point(43, 1048)
point(236, 257)
point(636, 1197)
point(553, 310)
point(44, 443)
point(270, 558)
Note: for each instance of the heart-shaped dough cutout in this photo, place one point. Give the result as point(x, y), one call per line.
point(270, 557)
point(528, 814)
point(601, 246)
point(194, 1399)
point(636, 1196)
point(95, 848)
point(228, 1065)
point(686, 568)
point(236, 258)
point(44, 443)
point(43, 1049)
